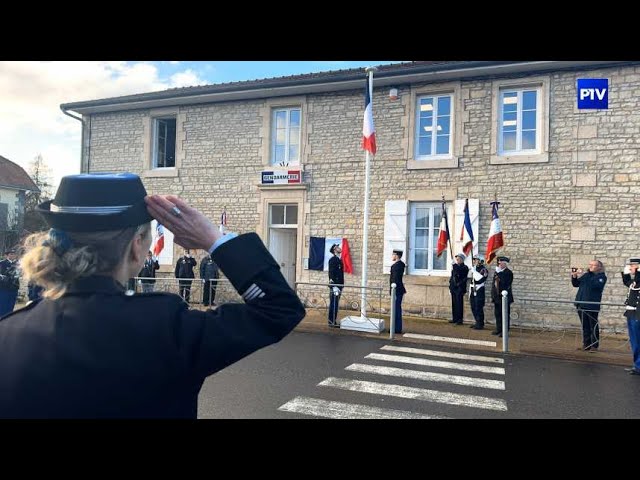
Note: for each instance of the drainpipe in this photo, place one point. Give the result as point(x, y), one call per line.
point(82, 141)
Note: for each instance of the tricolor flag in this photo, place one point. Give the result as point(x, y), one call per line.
point(159, 243)
point(368, 129)
point(319, 253)
point(443, 236)
point(466, 235)
point(496, 240)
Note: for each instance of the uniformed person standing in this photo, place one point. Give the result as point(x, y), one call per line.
point(477, 292)
point(209, 276)
point(87, 350)
point(148, 273)
point(631, 279)
point(502, 280)
point(458, 287)
point(397, 271)
point(9, 282)
point(336, 282)
point(184, 270)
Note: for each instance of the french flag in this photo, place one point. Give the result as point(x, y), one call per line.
point(368, 129)
point(223, 221)
point(443, 236)
point(466, 235)
point(319, 253)
point(159, 244)
point(496, 240)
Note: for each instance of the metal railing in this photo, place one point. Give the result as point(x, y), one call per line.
point(318, 295)
point(220, 290)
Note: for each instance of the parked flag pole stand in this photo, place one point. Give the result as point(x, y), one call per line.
point(364, 323)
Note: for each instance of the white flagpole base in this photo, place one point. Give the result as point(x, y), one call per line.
point(362, 324)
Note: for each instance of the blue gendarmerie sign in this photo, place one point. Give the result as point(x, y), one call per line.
point(593, 93)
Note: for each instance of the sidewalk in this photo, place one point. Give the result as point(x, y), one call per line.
point(565, 344)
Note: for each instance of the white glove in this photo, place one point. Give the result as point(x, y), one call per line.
point(336, 291)
point(477, 276)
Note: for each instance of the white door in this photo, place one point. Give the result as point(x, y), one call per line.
point(282, 245)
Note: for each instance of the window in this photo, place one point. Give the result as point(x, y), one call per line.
point(284, 215)
point(433, 127)
point(518, 121)
point(164, 142)
point(424, 228)
point(285, 136)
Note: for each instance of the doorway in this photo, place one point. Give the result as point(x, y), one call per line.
point(283, 238)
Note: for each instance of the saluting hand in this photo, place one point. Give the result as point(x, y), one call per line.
point(190, 228)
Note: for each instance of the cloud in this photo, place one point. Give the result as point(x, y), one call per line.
point(31, 93)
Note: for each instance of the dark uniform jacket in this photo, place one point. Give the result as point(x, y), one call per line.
point(505, 279)
point(149, 270)
point(208, 269)
point(633, 296)
point(184, 267)
point(458, 279)
point(9, 277)
point(336, 273)
point(397, 270)
point(590, 286)
point(97, 353)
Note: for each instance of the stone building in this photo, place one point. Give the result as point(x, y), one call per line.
point(567, 179)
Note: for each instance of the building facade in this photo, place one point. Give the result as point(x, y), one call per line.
point(283, 158)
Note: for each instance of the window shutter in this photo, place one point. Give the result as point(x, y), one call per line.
point(395, 230)
point(474, 209)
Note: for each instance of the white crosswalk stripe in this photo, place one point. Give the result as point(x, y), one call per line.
point(436, 363)
point(437, 353)
point(331, 409)
point(437, 338)
point(414, 385)
point(428, 376)
point(473, 401)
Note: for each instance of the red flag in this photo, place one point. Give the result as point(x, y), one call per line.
point(159, 245)
point(347, 263)
point(466, 235)
point(496, 240)
point(443, 236)
point(368, 129)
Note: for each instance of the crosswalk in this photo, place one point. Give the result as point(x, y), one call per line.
point(435, 376)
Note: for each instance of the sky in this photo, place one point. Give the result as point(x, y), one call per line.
point(31, 122)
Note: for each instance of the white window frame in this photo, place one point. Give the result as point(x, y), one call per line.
point(431, 246)
point(154, 140)
point(541, 83)
point(519, 93)
point(434, 138)
point(282, 225)
point(287, 160)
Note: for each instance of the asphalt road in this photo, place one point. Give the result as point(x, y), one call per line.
point(318, 375)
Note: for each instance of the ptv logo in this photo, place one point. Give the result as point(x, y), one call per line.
point(593, 93)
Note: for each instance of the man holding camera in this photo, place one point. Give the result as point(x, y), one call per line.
point(631, 279)
point(590, 285)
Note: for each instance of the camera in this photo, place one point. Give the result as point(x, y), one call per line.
point(574, 269)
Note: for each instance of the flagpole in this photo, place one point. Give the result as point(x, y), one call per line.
point(365, 232)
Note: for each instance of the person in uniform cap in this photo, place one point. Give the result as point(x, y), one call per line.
point(502, 280)
point(590, 285)
point(148, 272)
point(336, 283)
point(87, 350)
point(477, 291)
point(9, 282)
point(458, 287)
point(209, 276)
point(397, 270)
point(631, 279)
point(184, 272)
